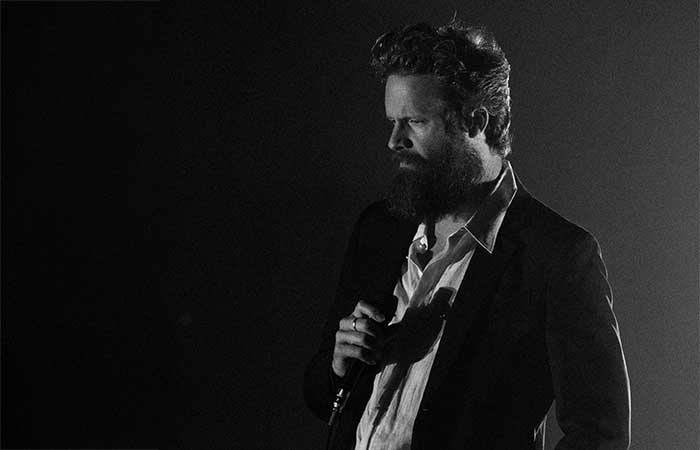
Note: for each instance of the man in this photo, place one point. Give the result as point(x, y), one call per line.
point(503, 305)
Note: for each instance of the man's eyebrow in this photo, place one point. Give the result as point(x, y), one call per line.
point(414, 116)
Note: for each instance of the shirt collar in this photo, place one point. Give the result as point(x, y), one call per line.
point(485, 223)
point(487, 220)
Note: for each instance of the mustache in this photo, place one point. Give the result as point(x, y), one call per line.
point(406, 156)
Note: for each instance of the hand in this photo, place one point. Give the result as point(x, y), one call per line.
point(364, 342)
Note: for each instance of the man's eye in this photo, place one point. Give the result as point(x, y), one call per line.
point(415, 121)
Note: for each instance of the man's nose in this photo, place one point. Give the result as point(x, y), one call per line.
point(398, 139)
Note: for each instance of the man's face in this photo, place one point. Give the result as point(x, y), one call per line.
point(438, 168)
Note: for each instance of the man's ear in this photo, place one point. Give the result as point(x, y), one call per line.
point(479, 121)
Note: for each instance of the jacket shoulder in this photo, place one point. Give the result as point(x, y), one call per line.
point(550, 231)
point(378, 217)
point(377, 210)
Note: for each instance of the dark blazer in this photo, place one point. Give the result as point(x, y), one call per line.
point(532, 322)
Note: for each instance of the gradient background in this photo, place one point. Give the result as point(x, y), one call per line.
point(178, 184)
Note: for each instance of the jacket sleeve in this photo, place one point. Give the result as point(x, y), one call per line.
point(320, 382)
point(589, 373)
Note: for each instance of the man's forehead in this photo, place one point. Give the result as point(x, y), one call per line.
point(413, 91)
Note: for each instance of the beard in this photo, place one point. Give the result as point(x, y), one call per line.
point(438, 186)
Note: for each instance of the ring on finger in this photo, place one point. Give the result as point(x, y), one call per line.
point(354, 324)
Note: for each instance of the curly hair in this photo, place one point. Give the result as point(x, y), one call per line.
point(469, 63)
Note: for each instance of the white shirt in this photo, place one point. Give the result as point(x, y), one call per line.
point(425, 296)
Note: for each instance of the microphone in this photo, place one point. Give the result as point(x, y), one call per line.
point(387, 306)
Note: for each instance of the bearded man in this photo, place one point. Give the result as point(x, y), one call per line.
point(503, 305)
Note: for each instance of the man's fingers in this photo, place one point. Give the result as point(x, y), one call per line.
point(365, 309)
point(359, 336)
point(362, 324)
point(363, 354)
point(357, 339)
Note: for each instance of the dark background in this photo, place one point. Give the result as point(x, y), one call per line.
point(179, 181)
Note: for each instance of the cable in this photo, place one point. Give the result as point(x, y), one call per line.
point(332, 432)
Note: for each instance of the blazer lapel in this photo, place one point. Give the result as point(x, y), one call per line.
point(475, 292)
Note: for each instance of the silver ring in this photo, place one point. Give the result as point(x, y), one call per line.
point(354, 324)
